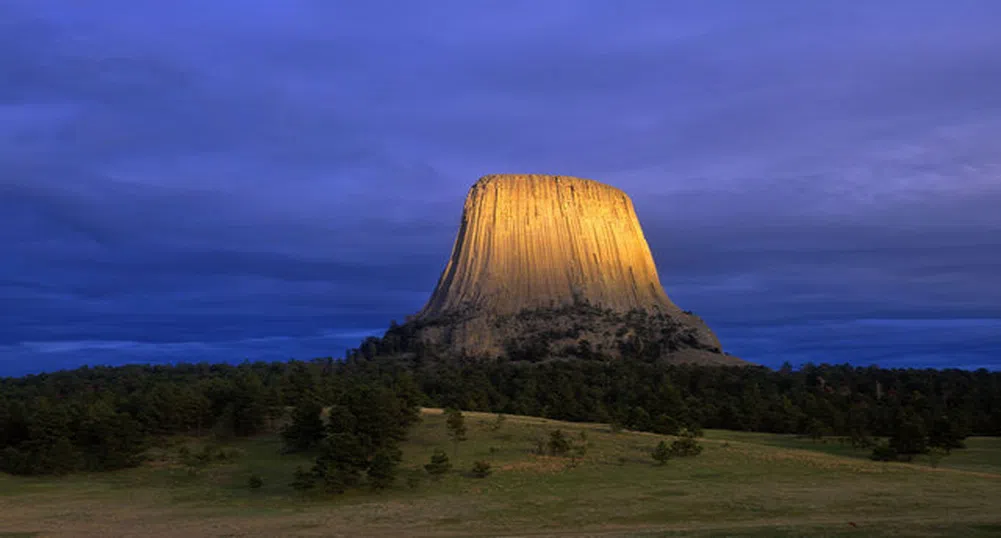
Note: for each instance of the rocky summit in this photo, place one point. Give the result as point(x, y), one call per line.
point(555, 266)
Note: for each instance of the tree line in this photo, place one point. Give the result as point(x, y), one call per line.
point(352, 410)
point(104, 418)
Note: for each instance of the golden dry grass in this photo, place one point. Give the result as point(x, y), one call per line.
point(739, 486)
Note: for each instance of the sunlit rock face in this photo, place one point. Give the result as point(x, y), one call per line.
point(558, 264)
point(533, 241)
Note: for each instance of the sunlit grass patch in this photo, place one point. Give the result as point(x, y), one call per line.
point(740, 485)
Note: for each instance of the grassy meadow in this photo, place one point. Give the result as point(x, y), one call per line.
point(743, 484)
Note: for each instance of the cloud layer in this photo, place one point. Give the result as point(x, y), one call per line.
point(218, 181)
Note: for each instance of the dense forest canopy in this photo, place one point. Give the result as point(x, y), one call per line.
point(104, 418)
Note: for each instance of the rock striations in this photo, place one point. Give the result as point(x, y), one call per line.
point(550, 266)
point(531, 241)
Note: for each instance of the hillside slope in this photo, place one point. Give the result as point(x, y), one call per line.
point(740, 485)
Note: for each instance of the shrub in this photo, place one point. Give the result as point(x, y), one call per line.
point(662, 453)
point(884, 452)
point(192, 461)
point(578, 449)
point(860, 439)
point(13, 461)
point(336, 479)
point(481, 469)
point(558, 444)
point(303, 480)
point(686, 445)
point(666, 425)
point(935, 455)
point(498, 422)
point(226, 454)
point(255, 481)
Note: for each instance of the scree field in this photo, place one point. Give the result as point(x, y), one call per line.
point(741, 485)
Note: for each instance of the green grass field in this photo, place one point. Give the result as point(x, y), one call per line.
point(743, 484)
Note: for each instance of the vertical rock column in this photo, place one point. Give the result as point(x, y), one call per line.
point(537, 241)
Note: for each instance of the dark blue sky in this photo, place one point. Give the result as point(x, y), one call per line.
point(193, 180)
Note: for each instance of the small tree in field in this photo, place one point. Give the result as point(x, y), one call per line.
point(439, 464)
point(662, 453)
point(456, 425)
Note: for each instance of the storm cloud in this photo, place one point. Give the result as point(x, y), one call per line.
point(228, 180)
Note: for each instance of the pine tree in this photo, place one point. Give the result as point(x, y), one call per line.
point(194, 410)
point(342, 460)
point(48, 423)
point(946, 433)
point(108, 439)
point(249, 411)
point(60, 458)
point(6, 421)
point(306, 428)
point(49, 448)
point(909, 437)
point(341, 420)
point(382, 471)
point(13, 461)
point(456, 425)
point(16, 429)
point(439, 464)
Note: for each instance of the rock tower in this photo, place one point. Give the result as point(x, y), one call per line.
point(531, 241)
point(555, 265)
